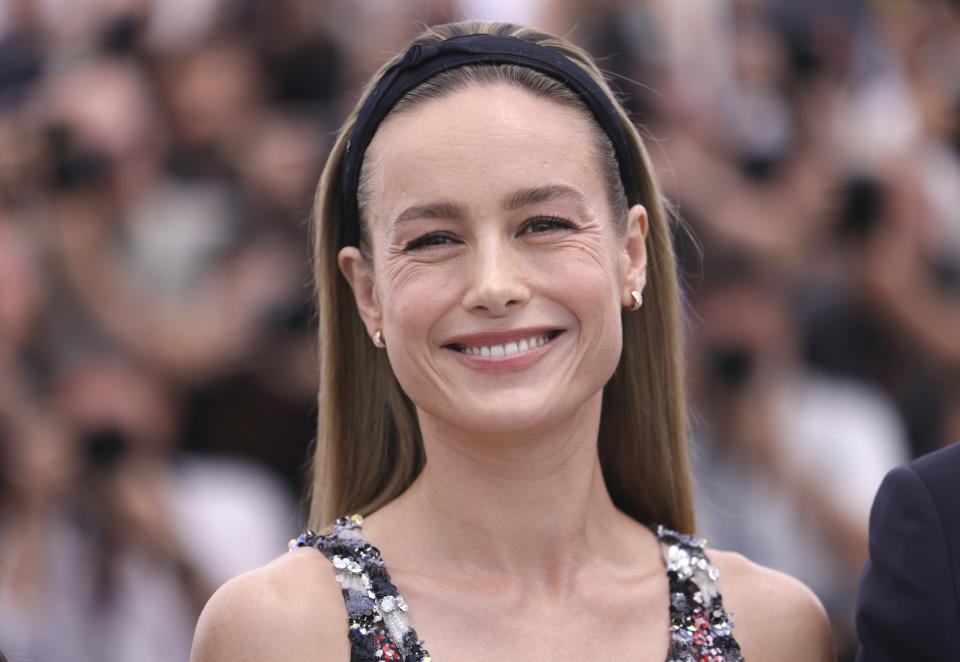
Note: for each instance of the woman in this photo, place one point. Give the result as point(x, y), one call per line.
point(500, 393)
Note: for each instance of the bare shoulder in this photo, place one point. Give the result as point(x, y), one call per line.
point(290, 609)
point(776, 617)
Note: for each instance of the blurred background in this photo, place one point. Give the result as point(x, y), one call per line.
point(157, 360)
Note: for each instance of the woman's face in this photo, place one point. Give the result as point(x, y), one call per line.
point(496, 275)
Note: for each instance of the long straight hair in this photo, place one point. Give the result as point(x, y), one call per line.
point(368, 446)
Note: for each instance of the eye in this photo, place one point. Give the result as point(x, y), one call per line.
point(431, 239)
point(542, 224)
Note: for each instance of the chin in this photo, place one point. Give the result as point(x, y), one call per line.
point(511, 414)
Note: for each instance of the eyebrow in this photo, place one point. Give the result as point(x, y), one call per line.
point(521, 198)
point(436, 209)
point(535, 194)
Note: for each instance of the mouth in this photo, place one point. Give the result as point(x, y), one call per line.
point(505, 348)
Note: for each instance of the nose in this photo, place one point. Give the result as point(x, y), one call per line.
point(496, 280)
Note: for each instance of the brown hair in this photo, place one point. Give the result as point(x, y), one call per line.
point(368, 448)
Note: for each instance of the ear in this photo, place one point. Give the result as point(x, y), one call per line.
point(356, 270)
point(634, 271)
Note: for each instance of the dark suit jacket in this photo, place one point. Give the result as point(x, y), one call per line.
point(908, 607)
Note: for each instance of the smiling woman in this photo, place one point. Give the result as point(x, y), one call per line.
point(501, 408)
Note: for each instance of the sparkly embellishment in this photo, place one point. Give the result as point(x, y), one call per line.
point(304, 539)
point(700, 628)
point(386, 649)
point(392, 602)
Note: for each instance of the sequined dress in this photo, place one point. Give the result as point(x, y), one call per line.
point(379, 630)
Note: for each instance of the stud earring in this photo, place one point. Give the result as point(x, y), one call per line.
point(378, 340)
point(637, 300)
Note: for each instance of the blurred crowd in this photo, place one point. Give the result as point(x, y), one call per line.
point(157, 367)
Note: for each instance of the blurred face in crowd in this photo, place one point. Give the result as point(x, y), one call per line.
point(496, 274)
point(107, 105)
point(214, 95)
point(110, 395)
point(744, 339)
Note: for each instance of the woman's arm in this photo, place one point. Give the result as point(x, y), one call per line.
point(289, 610)
point(776, 618)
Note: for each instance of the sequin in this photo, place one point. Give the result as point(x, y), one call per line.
point(701, 630)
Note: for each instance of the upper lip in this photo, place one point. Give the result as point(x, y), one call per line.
point(501, 337)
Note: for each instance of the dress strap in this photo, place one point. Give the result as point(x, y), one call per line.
point(379, 628)
point(700, 628)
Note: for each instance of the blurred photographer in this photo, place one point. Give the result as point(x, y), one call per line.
point(157, 259)
point(889, 309)
point(35, 462)
point(152, 532)
point(787, 460)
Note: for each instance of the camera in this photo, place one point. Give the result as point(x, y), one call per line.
point(104, 449)
point(71, 167)
point(730, 367)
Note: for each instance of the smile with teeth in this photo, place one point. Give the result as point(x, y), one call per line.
point(509, 348)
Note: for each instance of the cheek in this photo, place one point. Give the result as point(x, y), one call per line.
point(591, 288)
point(584, 273)
point(412, 296)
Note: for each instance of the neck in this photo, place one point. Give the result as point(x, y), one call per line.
point(533, 505)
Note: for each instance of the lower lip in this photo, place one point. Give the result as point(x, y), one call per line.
point(517, 361)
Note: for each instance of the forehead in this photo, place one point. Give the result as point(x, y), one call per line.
point(478, 144)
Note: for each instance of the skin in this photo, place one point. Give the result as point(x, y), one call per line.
point(507, 546)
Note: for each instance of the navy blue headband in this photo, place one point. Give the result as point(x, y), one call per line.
point(421, 62)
